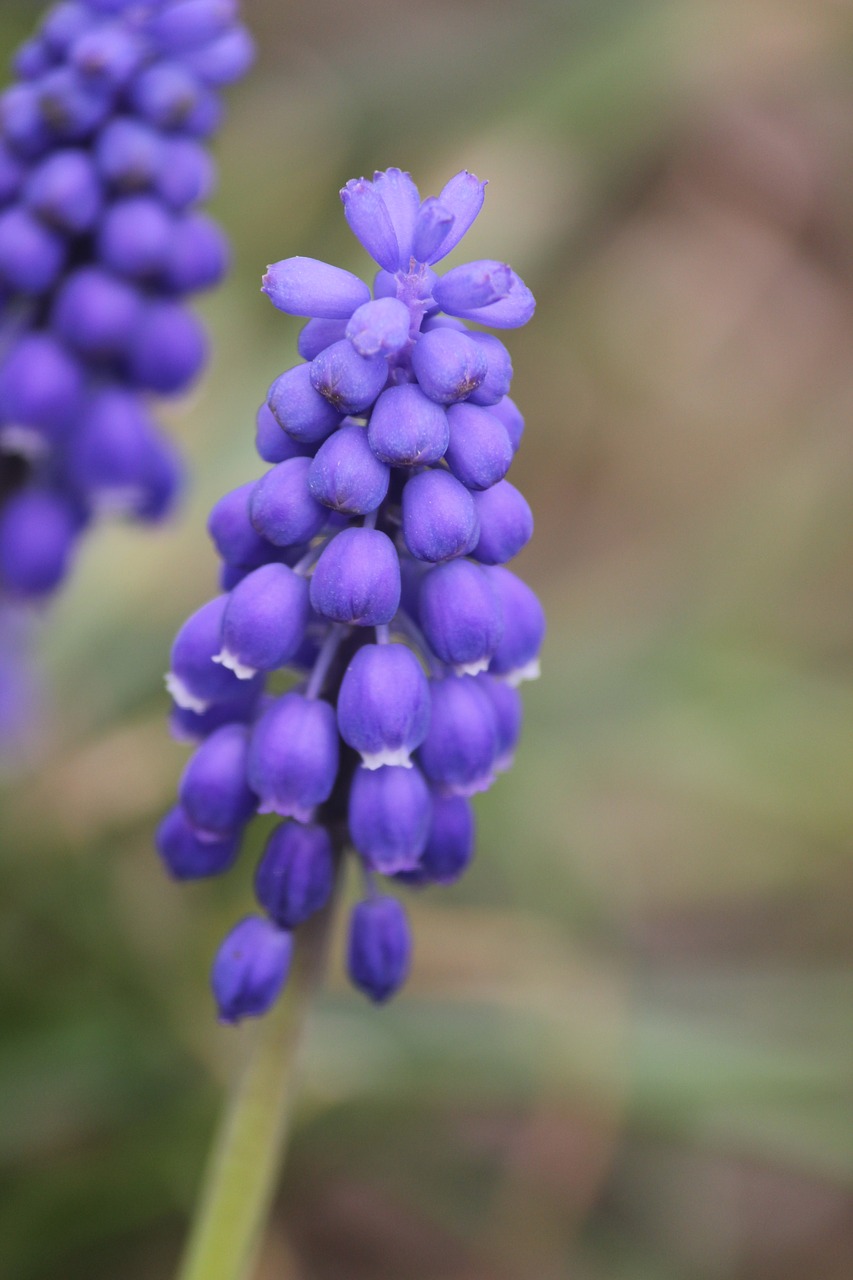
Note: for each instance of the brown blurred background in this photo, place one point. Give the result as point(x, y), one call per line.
point(626, 1050)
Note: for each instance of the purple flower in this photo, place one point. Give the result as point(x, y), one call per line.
point(250, 969)
point(379, 947)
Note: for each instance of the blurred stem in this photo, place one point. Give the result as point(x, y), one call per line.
point(249, 1149)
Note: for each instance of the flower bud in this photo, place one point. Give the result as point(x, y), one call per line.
point(406, 428)
point(460, 615)
point(213, 790)
point(439, 517)
point(508, 412)
point(296, 873)
point(166, 95)
point(463, 197)
point(306, 287)
point(506, 523)
point(272, 443)
point(379, 327)
point(389, 816)
point(302, 412)
point(357, 579)
point(348, 381)
point(316, 335)
point(194, 726)
point(41, 384)
point(186, 855)
point(479, 452)
point(517, 655)
point(135, 237)
point(370, 222)
point(224, 59)
point(106, 56)
point(95, 312)
point(346, 475)
point(198, 254)
point(114, 454)
point(506, 704)
point(195, 680)
point(460, 749)
point(498, 377)
point(168, 348)
point(448, 365)
point(450, 846)
point(488, 292)
point(129, 154)
point(38, 532)
point(379, 947)
point(264, 621)
point(64, 191)
point(281, 507)
point(250, 969)
point(234, 536)
point(433, 222)
point(186, 173)
point(185, 24)
point(293, 756)
point(31, 255)
point(383, 704)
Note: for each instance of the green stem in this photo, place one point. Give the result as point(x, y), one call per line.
point(246, 1159)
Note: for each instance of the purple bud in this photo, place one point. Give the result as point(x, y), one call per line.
point(406, 428)
point(509, 414)
point(400, 196)
point(186, 173)
point(22, 125)
point(188, 23)
point(195, 726)
point(213, 790)
point(107, 55)
point(296, 873)
point(234, 536)
point(460, 614)
point(463, 197)
point(198, 254)
point(370, 222)
point(439, 517)
point(32, 59)
point(135, 237)
point(316, 335)
point(348, 381)
point(165, 94)
point(186, 856)
point(300, 410)
point(506, 705)
point(431, 228)
point(40, 384)
point(307, 287)
point(498, 377)
point(265, 620)
point(129, 154)
point(479, 452)
point(38, 530)
point(506, 523)
point(272, 443)
point(346, 475)
point(11, 174)
point(223, 60)
point(31, 255)
point(450, 846)
point(448, 365)
point(95, 312)
point(64, 191)
point(487, 291)
point(389, 816)
point(109, 464)
point(281, 507)
point(460, 749)
point(379, 327)
point(195, 680)
point(69, 105)
point(357, 579)
point(64, 24)
point(168, 348)
point(383, 704)
point(379, 947)
point(162, 477)
point(250, 969)
point(293, 756)
point(517, 656)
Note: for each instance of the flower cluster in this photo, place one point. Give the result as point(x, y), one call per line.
point(368, 560)
point(102, 165)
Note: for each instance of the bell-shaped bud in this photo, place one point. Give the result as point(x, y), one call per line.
point(95, 312)
point(316, 335)
point(383, 704)
point(135, 237)
point(31, 255)
point(307, 287)
point(498, 377)
point(509, 713)
point(460, 615)
point(223, 60)
point(479, 452)
point(450, 846)
point(517, 655)
point(379, 327)
point(194, 726)
point(487, 292)
point(195, 681)
point(186, 855)
point(439, 517)
point(406, 428)
point(448, 365)
point(281, 507)
point(272, 443)
point(168, 348)
point(370, 222)
point(389, 816)
point(166, 94)
point(233, 533)
point(187, 23)
point(250, 969)
point(186, 173)
point(38, 532)
point(459, 752)
point(115, 457)
point(357, 579)
point(264, 621)
point(510, 415)
point(293, 756)
point(213, 790)
point(198, 254)
point(349, 382)
point(107, 55)
point(296, 873)
point(463, 198)
point(128, 154)
point(433, 222)
point(506, 523)
point(379, 948)
point(346, 475)
point(41, 385)
point(21, 121)
point(64, 191)
point(300, 410)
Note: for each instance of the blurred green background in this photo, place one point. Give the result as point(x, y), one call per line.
point(626, 1049)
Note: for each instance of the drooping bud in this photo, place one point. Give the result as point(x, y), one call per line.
point(294, 877)
point(389, 816)
point(517, 655)
point(383, 704)
point(460, 615)
point(213, 790)
point(357, 579)
point(307, 287)
point(195, 681)
point(186, 855)
point(264, 621)
point(300, 410)
point(349, 382)
point(250, 969)
point(439, 517)
point(406, 428)
point(281, 507)
point(460, 749)
point(448, 365)
point(293, 756)
point(506, 523)
point(450, 846)
point(380, 327)
point(479, 452)
point(379, 948)
point(346, 475)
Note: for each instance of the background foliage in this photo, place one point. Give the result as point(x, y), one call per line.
point(626, 1049)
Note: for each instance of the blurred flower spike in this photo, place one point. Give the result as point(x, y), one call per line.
point(368, 561)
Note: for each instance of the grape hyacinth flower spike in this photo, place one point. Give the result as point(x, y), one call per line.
point(102, 167)
point(368, 562)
